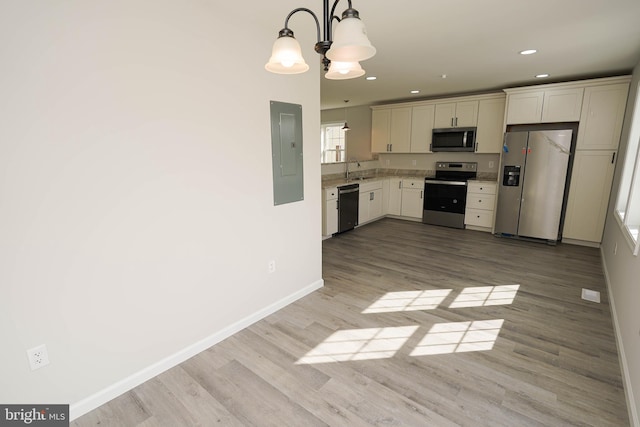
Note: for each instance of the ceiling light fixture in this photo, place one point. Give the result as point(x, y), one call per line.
point(528, 52)
point(344, 70)
point(541, 76)
point(371, 78)
point(415, 91)
point(349, 46)
point(346, 126)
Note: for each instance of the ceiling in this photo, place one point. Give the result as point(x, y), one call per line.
point(476, 44)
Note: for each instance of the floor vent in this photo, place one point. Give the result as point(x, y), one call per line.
point(590, 295)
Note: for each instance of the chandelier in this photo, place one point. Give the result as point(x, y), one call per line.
point(341, 55)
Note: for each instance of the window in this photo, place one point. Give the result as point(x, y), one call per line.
point(628, 203)
point(333, 143)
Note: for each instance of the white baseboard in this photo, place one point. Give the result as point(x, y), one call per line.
point(103, 396)
point(581, 243)
point(626, 379)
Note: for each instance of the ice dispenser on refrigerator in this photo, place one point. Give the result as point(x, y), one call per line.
point(511, 177)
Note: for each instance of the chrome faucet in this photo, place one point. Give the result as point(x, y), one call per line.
point(348, 160)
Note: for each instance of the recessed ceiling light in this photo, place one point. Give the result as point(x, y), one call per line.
point(528, 52)
point(415, 91)
point(541, 76)
point(371, 78)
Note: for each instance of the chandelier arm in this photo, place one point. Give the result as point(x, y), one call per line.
point(335, 4)
point(303, 9)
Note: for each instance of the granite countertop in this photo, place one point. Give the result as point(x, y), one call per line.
point(337, 180)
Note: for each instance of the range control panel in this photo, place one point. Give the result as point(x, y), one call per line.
point(457, 166)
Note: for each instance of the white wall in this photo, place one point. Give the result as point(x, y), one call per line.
point(136, 207)
point(487, 163)
point(623, 273)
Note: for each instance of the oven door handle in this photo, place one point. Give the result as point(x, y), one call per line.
point(437, 181)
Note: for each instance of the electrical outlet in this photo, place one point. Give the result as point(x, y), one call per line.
point(272, 266)
point(491, 164)
point(413, 162)
point(387, 162)
point(38, 357)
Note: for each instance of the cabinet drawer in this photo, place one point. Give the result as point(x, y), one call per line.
point(331, 193)
point(481, 187)
point(370, 186)
point(478, 218)
point(413, 183)
point(481, 201)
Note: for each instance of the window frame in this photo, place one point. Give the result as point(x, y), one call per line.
point(324, 149)
point(628, 197)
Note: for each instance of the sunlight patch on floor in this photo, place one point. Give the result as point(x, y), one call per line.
point(459, 337)
point(485, 296)
point(408, 301)
point(359, 344)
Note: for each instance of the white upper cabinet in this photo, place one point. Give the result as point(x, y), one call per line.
point(525, 107)
point(562, 105)
point(544, 106)
point(456, 114)
point(380, 128)
point(602, 115)
point(408, 127)
point(391, 130)
point(466, 114)
point(422, 128)
point(400, 135)
point(490, 124)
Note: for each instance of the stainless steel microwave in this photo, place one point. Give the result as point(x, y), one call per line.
point(454, 139)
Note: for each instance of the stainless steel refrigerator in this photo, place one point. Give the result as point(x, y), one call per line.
point(532, 184)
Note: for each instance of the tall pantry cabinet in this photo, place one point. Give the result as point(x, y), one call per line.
point(595, 161)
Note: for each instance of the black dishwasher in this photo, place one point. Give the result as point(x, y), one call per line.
point(348, 207)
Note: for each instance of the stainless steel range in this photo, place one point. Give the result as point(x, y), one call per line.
point(445, 195)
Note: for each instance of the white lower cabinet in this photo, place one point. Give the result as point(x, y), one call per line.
point(412, 203)
point(591, 180)
point(394, 197)
point(481, 201)
point(330, 211)
point(370, 202)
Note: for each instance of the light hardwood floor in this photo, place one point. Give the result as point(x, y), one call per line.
point(417, 325)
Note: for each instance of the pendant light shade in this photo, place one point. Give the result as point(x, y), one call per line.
point(346, 126)
point(344, 70)
point(350, 41)
point(286, 55)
